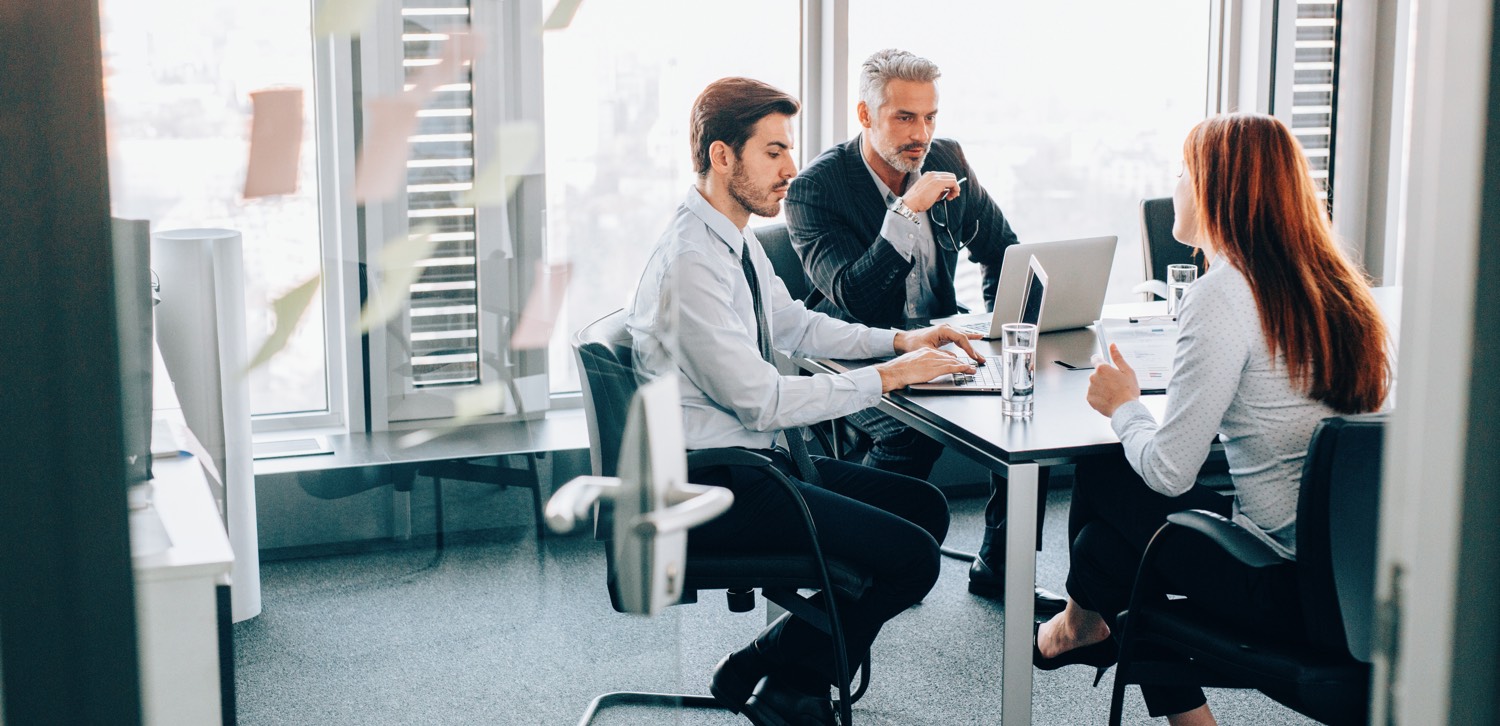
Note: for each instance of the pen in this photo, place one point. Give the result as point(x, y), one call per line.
point(944, 195)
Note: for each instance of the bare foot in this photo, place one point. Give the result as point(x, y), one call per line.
point(1199, 716)
point(1072, 628)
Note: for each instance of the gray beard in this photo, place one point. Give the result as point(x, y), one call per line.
point(900, 162)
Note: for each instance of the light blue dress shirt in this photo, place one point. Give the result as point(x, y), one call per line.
point(1226, 383)
point(915, 242)
point(692, 315)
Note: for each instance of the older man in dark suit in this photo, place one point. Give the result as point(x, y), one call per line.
point(879, 222)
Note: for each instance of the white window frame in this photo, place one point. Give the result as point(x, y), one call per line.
point(393, 401)
point(333, 128)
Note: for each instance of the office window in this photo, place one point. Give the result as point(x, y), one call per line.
point(619, 84)
point(443, 334)
point(1071, 113)
point(1314, 51)
point(177, 78)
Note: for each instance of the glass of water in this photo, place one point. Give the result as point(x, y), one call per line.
point(1179, 277)
point(1018, 368)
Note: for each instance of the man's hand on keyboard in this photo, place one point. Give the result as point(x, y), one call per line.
point(920, 366)
point(936, 337)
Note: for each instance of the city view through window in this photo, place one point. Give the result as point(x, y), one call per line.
point(1069, 152)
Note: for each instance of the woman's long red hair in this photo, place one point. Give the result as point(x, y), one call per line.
point(1257, 205)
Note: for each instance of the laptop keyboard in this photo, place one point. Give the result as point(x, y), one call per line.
point(981, 328)
point(985, 376)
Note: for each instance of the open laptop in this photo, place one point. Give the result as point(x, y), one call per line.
point(1079, 270)
point(987, 378)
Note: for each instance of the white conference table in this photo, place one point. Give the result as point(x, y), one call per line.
point(1062, 429)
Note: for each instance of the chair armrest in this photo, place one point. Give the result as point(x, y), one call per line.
point(702, 458)
point(1229, 536)
point(1152, 287)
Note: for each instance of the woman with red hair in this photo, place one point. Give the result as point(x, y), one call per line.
point(1280, 333)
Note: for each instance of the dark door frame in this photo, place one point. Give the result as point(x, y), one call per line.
point(67, 606)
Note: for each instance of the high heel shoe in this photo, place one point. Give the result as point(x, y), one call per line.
point(1100, 655)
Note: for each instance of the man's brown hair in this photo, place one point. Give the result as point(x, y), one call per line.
point(728, 111)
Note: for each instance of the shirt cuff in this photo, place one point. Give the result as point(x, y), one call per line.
point(901, 233)
point(867, 381)
point(882, 342)
point(1127, 415)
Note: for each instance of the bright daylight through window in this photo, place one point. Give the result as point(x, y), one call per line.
point(619, 85)
point(1070, 113)
point(177, 79)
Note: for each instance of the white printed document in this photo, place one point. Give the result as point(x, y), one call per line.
point(1148, 343)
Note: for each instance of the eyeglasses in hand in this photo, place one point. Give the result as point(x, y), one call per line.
point(939, 216)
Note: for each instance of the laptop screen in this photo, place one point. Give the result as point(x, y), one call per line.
point(1036, 291)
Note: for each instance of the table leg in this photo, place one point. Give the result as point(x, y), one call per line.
point(1020, 587)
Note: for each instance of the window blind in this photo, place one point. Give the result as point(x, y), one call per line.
point(1315, 86)
point(444, 330)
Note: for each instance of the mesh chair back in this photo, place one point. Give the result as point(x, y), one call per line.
point(608, 371)
point(777, 242)
point(1161, 247)
point(1338, 513)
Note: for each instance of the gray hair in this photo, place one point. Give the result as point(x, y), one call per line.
point(884, 65)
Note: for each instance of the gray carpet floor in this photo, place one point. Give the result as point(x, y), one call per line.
point(498, 630)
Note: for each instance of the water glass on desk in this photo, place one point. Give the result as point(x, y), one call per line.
point(1018, 369)
point(1179, 277)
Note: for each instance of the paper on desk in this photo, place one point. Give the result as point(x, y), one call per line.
point(387, 144)
point(275, 142)
point(398, 270)
point(1148, 346)
point(289, 309)
point(548, 290)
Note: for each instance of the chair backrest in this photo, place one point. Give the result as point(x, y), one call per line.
point(1161, 248)
point(1338, 514)
point(777, 242)
point(605, 360)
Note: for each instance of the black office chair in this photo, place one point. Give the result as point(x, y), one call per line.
point(609, 381)
point(837, 438)
point(1323, 672)
point(1160, 247)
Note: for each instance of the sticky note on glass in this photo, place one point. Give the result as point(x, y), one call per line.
point(548, 291)
point(561, 15)
point(516, 148)
point(289, 309)
point(341, 16)
point(275, 142)
point(399, 268)
point(387, 144)
point(459, 50)
point(467, 406)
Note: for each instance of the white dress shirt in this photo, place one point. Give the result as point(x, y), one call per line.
point(692, 315)
point(1226, 383)
point(916, 243)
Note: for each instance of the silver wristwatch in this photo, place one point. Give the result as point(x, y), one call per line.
point(899, 207)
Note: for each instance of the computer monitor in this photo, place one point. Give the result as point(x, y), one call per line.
point(134, 315)
point(1035, 295)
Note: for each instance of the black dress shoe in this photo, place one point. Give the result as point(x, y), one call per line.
point(773, 704)
point(735, 677)
point(986, 582)
point(1100, 655)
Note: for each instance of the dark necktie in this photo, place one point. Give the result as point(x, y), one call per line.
point(796, 441)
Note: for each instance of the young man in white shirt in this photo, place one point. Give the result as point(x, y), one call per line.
point(709, 308)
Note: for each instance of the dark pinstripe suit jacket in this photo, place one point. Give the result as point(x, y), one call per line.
point(834, 212)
